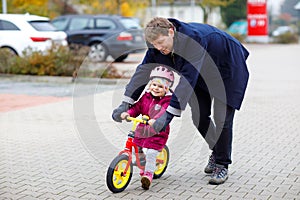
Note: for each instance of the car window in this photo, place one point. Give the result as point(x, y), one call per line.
point(80, 24)
point(42, 26)
point(60, 24)
point(238, 27)
point(129, 23)
point(6, 25)
point(105, 24)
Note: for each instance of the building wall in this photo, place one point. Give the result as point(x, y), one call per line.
point(184, 13)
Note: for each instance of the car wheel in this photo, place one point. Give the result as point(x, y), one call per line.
point(121, 58)
point(98, 52)
point(9, 51)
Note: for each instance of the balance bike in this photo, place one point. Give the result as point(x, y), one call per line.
point(120, 170)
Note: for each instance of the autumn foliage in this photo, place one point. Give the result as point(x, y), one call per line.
point(54, 8)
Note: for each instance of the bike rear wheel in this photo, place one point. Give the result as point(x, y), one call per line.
point(116, 180)
point(162, 161)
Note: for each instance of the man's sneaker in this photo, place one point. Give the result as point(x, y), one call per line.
point(210, 167)
point(219, 176)
point(146, 180)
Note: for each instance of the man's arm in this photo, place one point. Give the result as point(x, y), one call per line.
point(194, 56)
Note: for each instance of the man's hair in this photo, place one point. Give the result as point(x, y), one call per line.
point(156, 27)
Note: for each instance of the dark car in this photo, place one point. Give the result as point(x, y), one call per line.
point(104, 34)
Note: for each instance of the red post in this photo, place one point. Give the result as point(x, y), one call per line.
point(257, 18)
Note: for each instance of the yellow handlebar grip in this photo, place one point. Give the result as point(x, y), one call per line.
point(144, 119)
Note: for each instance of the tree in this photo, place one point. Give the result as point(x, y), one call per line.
point(129, 8)
point(233, 12)
point(53, 8)
point(208, 5)
point(48, 8)
point(126, 8)
point(28, 6)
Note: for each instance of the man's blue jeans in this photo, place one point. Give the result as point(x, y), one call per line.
point(216, 132)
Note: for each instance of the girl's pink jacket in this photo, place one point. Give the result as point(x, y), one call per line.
point(154, 107)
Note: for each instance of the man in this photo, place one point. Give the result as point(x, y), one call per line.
point(213, 74)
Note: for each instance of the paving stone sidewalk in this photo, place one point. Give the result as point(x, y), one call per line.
point(61, 150)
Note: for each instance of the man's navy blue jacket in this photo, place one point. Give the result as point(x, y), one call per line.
point(204, 57)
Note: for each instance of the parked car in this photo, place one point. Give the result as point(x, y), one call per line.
point(282, 30)
point(21, 31)
point(238, 27)
point(104, 34)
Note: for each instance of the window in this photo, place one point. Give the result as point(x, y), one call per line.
point(42, 26)
point(81, 24)
point(8, 26)
point(130, 23)
point(105, 24)
point(60, 24)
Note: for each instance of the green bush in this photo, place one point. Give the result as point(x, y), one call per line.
point(286, 38)
point(57, 61)
point(7, 59)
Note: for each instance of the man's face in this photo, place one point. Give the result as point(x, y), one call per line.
point(164, 43)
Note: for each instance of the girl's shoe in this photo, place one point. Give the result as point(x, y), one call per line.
point(146, 180)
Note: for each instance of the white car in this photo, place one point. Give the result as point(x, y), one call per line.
point(282, 30)
point(21, 31)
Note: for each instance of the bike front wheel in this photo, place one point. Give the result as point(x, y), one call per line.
point(116, 179)
point(162, 161)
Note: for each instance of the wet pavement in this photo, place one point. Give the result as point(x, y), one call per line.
point(51, 89)
point(37, 89)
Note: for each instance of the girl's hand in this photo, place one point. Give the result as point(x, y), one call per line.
point(151, 122)
point(124, 115)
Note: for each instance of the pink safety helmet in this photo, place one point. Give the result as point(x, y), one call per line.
point(162, 72)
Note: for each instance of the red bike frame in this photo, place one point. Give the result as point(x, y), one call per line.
point(130, 144)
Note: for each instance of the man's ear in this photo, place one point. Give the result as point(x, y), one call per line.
point(171, 32)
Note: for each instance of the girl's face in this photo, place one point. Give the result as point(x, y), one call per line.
point(164, 43)
point(157, 89)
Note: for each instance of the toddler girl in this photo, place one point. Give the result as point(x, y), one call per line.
point(153, 103)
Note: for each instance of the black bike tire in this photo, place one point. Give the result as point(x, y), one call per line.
point(110, 173)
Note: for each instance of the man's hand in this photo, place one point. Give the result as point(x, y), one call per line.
point(116, 115)
point(162, 122)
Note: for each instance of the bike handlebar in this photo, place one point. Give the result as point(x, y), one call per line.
point(144, 119)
